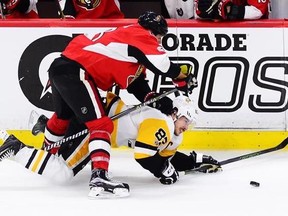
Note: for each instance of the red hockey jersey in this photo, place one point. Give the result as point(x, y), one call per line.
point(262, 5)
point(105, 56)
point(94, 9)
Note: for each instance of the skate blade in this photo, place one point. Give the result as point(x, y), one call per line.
point(100, 193)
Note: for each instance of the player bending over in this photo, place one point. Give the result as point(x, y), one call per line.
point(153, 135)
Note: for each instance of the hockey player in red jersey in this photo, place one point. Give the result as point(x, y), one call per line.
point(232, 9)
point(115, 57)
point(153, 136)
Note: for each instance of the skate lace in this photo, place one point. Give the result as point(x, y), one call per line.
point(7, 154)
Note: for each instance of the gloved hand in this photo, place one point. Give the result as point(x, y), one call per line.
point(205, 163)
point(169, 174)
point(206, 9)
point(223, 8)
point(187, 84)
point(165, 104)
point(40, 125)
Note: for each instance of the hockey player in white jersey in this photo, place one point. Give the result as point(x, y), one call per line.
point(153, 135)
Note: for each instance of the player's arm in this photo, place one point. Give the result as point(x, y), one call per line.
point(142, 91)
point(153, 163)
point(139, 87)
point(153, 138)
point(182, 74)
point(183, 162)
point(161, 168)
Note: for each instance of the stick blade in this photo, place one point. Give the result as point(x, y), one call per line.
point(283, 143)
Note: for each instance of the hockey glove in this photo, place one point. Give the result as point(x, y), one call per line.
point(168, 174)
point(40, 125)
point(186, 85)
point(206, 9)
point(223, 8)
point(205, 163)
point(165, 104)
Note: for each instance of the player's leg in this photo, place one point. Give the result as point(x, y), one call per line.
point(36, 160)
point(57, 125)
point(82, 96)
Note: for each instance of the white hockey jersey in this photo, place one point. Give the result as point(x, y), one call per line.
point(180, 9)
point(153, 129)
point(146, 125)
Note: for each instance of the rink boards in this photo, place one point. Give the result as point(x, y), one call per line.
point(206, 140)
point(240, 66)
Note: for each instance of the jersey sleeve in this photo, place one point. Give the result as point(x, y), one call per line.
point(147, 50)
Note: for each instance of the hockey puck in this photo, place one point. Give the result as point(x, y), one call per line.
point(255, 184)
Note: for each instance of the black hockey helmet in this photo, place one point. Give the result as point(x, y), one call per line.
point(154, 22)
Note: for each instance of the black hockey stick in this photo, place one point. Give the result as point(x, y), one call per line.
point(119, 115)
point(139, 106)
point(280, 146)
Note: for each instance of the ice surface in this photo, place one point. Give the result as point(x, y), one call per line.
point(227, 193)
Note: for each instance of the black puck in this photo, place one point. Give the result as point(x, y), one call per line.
point(255, 184)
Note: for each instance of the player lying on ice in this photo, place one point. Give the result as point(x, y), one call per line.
point(153, 135)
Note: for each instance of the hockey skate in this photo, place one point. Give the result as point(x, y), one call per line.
point(101, 186)
point(10, 147)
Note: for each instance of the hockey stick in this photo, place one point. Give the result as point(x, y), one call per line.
point(1, 11)
point(34, 115)
point(119, 115)
point(139, 106)
point(280, 146)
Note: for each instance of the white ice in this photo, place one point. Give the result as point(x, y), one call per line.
point(227, 193)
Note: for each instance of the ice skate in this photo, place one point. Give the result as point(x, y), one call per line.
point(10, 147)
point(101, 186)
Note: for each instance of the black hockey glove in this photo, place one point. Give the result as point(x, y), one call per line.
point(205, 163)
point(165, 104)
point(235, 12)
point(168, 175)
point(186, 85)
point(40, 125)
point(207, 9)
